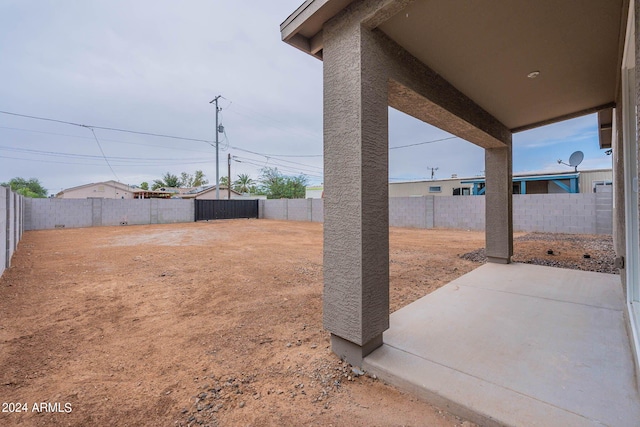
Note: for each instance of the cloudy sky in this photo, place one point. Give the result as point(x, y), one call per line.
point(153, 67)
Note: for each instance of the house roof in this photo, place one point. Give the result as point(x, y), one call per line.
point(111, 183)
point(524, 176)
point(487, 48)
point(198, 191)
point(547, 177)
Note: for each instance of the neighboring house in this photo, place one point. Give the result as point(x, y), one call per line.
point(208, 192)
point(110, 190)
point(101, 190)
point(315, 192)
point(482, 71)
point(586, 181)
point(530, 183)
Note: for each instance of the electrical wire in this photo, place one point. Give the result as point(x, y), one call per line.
point(422, 143)
point(274, 157)
point(106, 128)
point(283, 168)
point(292, 168)
point(136, 160)
point(104, 139)
point(103, 155)
point(212, 143)
point(89, 163)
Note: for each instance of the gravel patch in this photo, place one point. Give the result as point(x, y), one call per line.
point(573, 251)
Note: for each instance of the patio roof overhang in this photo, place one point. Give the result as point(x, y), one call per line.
point(526, 63)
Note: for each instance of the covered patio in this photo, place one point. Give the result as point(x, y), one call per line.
point(506, 344)
point(518, 345)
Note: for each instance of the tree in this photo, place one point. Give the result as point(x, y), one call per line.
point(199, 179)
point(196, 180)
point(144, 185)
point(278, 186)
point(168, 180)
point(224, 181)
point(27, 187)
point(243, 184)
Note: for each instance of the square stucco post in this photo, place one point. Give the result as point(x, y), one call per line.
point(356, 204)
point(498, 206)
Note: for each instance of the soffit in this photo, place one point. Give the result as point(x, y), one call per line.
point(486, 49)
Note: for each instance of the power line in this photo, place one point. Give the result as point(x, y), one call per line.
point(103, 155)
point(284, 166)
point(274, 157)
point(422, 143)
point(104, 139)
point(133, 132)
point(106, 128)
point(86, 163)
point(89, 156)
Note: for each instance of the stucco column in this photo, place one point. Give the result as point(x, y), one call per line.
point(356, 212)
point(498, 210)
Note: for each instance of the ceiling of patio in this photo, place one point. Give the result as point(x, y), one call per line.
point(487, 49)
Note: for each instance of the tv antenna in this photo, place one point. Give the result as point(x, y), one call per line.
point(433, 172)
point(574, 160)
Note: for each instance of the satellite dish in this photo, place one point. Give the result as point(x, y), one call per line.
point(576, 158)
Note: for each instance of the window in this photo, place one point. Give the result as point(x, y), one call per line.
point(602, 186)
point(462, 191)
point(435, 189)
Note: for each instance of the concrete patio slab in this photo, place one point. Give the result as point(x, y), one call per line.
point(517, 345)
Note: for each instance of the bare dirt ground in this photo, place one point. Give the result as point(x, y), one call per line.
point(214, 323)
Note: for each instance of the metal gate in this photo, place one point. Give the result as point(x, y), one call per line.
point(225, 209)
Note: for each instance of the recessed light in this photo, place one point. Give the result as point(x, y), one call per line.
point(533, 74)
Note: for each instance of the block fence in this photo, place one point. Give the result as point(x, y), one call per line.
point(581, 213)
point(73, 213)
point(11, 225)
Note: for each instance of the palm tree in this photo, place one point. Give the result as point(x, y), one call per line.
point(224, 181)
point(243, 183)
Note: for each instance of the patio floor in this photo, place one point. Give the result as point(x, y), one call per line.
point(517, 345)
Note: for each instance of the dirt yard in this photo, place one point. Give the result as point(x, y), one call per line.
point(211, 324)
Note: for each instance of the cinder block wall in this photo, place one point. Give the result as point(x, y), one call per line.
point(298, 209)
point(416, 212)
point(557, 213)
point(461, 212)
point(274, 209)
point(11, 225)
point(43, 214)
point(584, 213)
point(317, 210)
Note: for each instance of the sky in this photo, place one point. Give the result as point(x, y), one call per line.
point(154, 66)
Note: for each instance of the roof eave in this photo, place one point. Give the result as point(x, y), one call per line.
point(303, 28)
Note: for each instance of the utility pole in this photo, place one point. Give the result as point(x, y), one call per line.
point(229, 177)
point(433, 172)
point(217, 144)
